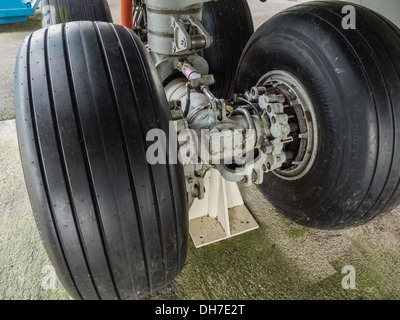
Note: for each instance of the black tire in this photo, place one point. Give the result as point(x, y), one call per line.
point(353, 80)
point(230, 23)
point(86, 95)
point(62, 11)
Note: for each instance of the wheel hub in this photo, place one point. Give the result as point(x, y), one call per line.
point(302, 120)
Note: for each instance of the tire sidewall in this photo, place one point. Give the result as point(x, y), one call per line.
point(323, 197)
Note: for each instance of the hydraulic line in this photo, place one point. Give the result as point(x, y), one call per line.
point(127, 13)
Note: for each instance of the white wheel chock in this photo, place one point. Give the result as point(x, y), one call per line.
point(221, 214)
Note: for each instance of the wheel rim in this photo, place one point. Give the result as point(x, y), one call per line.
point(305, 145)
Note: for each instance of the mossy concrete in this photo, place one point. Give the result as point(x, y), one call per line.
point(280, 260)
point(23, 260)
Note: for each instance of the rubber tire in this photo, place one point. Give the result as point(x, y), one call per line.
point(86, 95)
point(230, 23)
point(353, 79)
point(75, 10)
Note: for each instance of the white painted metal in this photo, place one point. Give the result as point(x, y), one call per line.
point(221, 214)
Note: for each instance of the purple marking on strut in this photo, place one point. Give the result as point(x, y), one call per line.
point(189, 71)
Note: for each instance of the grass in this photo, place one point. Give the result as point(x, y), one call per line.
point(253, 267)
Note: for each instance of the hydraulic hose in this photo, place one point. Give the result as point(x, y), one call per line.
point(127, 13)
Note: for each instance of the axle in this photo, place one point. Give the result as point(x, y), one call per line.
point(244, 138)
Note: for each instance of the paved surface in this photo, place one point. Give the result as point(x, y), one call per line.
point(280, 260)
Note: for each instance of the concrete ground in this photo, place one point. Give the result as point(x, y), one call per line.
point(280, 260)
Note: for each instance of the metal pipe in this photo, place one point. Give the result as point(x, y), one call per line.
point(187, 107)
point(208, 93)
point(191, 73)
point(247, 115)
point(252, 105)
